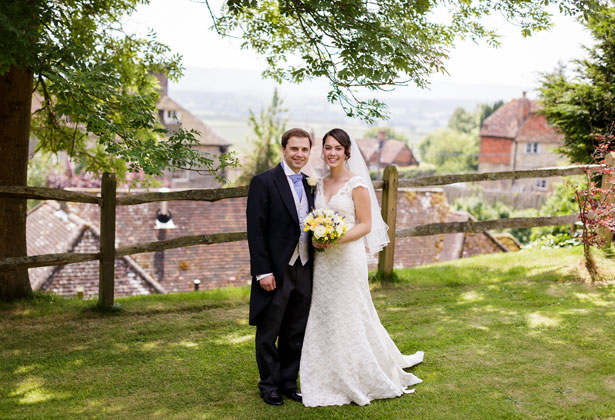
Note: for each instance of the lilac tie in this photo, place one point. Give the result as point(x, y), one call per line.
point(298, 183)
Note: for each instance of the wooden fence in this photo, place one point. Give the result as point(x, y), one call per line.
point(108, 202)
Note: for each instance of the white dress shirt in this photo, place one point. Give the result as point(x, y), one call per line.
point(302, 249)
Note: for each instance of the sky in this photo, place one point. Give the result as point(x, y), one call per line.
point(476, 71)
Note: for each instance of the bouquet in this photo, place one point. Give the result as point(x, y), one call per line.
point(327, 226)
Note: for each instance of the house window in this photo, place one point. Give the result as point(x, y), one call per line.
point(170, 116)
point(531, 148)
point(541, 184)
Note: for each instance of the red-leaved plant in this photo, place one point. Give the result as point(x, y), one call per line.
point(597, 203)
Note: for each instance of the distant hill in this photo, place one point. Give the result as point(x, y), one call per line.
point(221, 98)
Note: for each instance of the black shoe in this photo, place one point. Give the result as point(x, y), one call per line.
point(272, 397)
point(293, 395)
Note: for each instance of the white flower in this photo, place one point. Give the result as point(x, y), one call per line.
point(320, 231)
point(340, 229)
point(312, 181)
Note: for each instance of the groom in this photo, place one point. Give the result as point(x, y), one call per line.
point(281, 267)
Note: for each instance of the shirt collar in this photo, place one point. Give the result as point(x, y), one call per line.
point(287, 170)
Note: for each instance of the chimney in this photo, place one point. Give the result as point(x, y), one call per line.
point(526, 107)
point(162, 79)
point(164, 218)
point(382, 138)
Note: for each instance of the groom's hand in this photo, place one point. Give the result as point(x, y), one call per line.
point(268, 283)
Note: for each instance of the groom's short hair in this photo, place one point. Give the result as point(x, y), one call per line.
point(295, 132)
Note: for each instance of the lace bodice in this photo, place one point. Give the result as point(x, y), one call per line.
point(341, 201)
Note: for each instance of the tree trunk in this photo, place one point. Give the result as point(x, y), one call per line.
point(15, 103)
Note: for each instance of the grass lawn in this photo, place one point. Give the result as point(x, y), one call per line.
point(507, 336)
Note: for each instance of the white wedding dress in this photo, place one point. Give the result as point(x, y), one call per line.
point(347, 354)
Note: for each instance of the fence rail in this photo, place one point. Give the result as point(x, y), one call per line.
point(42, 193)
point(196, 195)
point(45, 260)
point(484, 225)
point(496, 176)
point(109, 200)
point(182, 241)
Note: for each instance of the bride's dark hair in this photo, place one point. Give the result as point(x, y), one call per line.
point(342, 138)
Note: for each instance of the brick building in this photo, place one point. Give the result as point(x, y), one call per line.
point(515, 137)
point(170, 114)
point(74, 228)
point(380, 152)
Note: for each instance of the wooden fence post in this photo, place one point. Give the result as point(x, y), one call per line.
point(606, 184)
point(389, 214)
point(106, 270)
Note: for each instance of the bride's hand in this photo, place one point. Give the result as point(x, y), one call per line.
point(321, 246)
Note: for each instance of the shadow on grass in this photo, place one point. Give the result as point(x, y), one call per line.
point(45, 304)
point(56, 368)
point(504, 338)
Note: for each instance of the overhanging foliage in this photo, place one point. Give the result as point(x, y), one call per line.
point(373, 44)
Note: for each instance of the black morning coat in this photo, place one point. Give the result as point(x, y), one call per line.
point(273, 231)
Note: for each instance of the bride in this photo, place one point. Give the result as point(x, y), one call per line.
point(347, 354)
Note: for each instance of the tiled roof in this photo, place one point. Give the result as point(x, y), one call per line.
point(228, 263)
point(68, 278)
point(536, 129)
point(507, 119)
point(482, 242)
point(521, 120)
point(422, 206)
point(509, 241)
point(477, 244)
point(176, 269)
point(207, 136)
point(390, 150)
point(368, 147)
point(389, 153)
point(50, 229)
